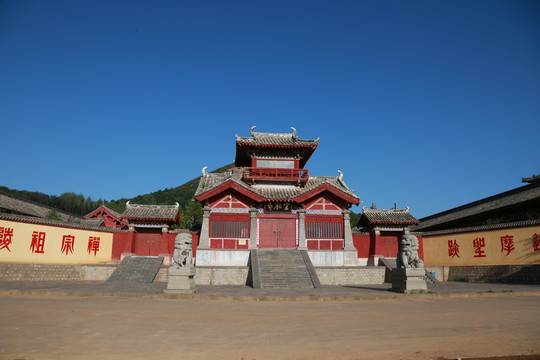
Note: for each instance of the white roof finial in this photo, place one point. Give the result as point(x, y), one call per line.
point(293, 133)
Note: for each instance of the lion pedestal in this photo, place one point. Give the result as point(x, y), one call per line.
point(182, 272)
point(181, 279)
point(406, 279)
point(410, 272)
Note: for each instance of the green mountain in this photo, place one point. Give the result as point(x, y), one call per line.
point(190, 211)
point(182, 194)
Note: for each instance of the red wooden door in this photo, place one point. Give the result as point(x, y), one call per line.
point(277, 233)
point(147, 244)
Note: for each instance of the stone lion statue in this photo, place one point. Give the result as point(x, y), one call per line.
point(407, 256)
point(182, 255)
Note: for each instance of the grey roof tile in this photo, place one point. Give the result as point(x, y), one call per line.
point(388, 216)
point(84, 225)
point(161, 212)
point(510, 225)
point(274, 192)
point(111, 211)
point(521, 195)
point(275, 139)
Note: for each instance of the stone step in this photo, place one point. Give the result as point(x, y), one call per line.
point(283, 269)
point(430, 278)
point(139, 269)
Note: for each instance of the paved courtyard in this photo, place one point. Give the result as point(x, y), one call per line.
point(55, 324)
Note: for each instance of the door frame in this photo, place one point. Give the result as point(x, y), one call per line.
point(294, 234)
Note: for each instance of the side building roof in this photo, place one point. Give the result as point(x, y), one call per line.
point(151, 212)
point(373, 217)
point(114, 213)
point(85, 224)
point(512, 201)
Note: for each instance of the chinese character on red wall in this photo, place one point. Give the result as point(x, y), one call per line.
point(507, 244)
point(68, 243)
point(93, 244)
point(479, 244)
point(38, 242)
point(453, 248)
point(536, 242)
point(6, 234)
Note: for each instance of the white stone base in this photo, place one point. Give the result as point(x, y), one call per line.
point(181, 278)
point(408, 279)
point(352, 275)
point(220, 257)
point(337, 258)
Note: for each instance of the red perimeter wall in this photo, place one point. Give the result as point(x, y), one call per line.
point(386, 245)
point(361, 243)
point(127, 242)
point(123, 243)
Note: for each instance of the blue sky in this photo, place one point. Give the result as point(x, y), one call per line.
point(429, 104)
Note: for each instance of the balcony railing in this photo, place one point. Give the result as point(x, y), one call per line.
point(276, 174)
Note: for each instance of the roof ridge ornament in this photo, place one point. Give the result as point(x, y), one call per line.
point(294, 133)
point(252, 131)
point(340, 178)
point(203, 171)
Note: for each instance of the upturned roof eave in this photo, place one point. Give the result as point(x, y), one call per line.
point(229, 184)
point(311, 146)
point(327, 187)
point(108, 210)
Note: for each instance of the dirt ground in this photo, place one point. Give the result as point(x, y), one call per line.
point(34, 328)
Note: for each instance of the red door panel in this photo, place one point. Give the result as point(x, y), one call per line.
point(277, 233)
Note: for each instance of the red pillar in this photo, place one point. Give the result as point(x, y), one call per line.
point(164, 249)
point(129, 247)
point(375, 249)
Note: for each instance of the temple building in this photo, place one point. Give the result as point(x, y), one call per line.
point(109, 217)
point(149, 231)
point(519, 204)
point(271, 201)
point(385, 228)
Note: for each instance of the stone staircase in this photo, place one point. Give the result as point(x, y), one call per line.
point(137, 269)
point(391, 263)
point(283, 269)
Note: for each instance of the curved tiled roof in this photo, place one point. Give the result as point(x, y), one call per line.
point(390, 216)
point(510, 225)
point(108, 209)
point(273, 144)
point(531, 180)
point(275, 139)
point(150, 212)
point(85, 224)
point(512, 198)
point(273, 192)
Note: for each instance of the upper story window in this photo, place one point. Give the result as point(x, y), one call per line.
point(275, 163)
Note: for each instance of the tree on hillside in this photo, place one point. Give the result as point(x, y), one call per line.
point(53, 215)
point(191, 216)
